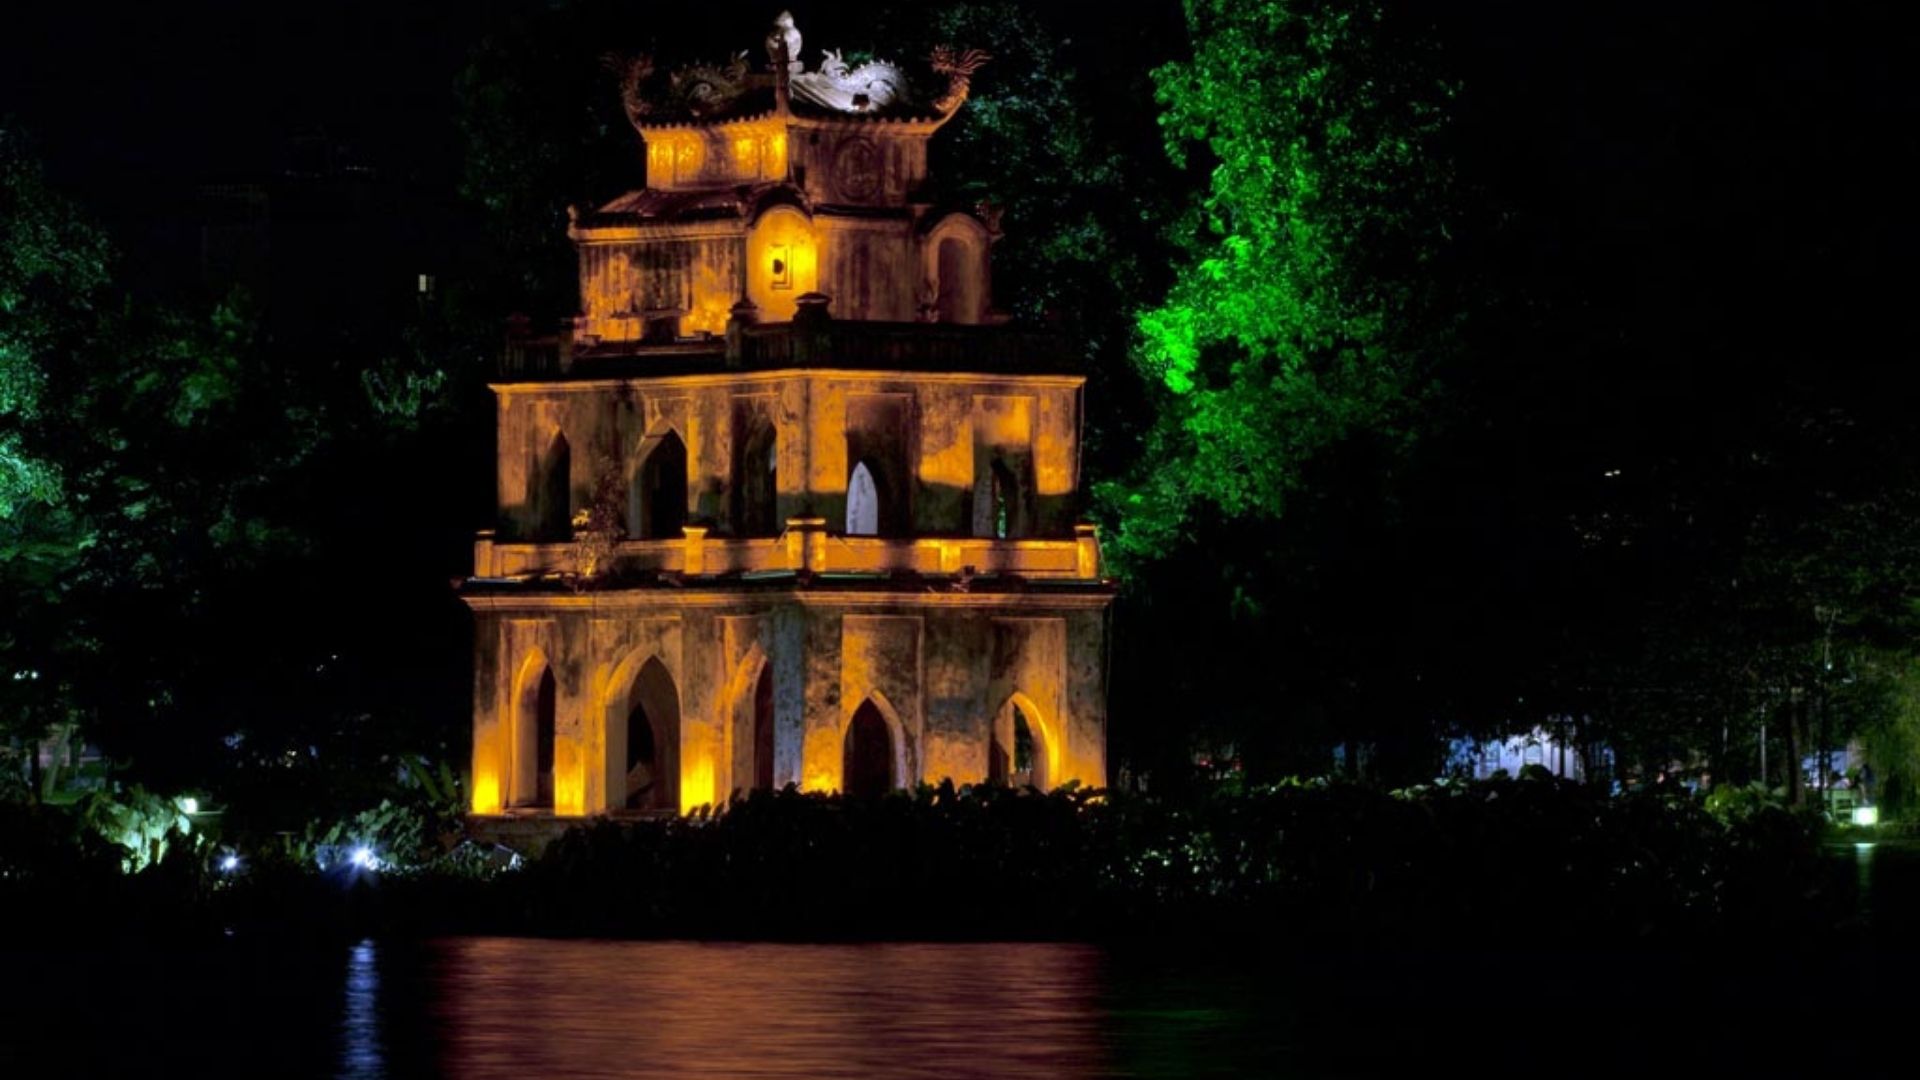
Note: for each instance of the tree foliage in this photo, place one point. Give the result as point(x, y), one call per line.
point(1302, 314)
point(190, 495)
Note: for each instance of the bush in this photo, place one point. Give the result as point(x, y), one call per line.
point(1527, 859)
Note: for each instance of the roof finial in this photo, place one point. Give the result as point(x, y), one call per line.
point(783, 55)
point(958, 67)
point(783, 45)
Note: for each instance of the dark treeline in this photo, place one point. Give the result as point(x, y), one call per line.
point(1626, 455)
point(1533, 860)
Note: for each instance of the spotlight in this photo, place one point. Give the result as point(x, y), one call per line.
point(189, 805)
point(363, 858)
point(229, 863)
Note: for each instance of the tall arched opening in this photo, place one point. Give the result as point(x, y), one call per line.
point(533, 728)
point(863, 502)
point(763, 729)
point(867, 757)
point(756, 483)
point(657, 504)
point(649, 742)
point(1021, 752)
point(552, 495)
point(958, 266)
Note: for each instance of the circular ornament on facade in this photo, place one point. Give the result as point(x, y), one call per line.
point(856, 168)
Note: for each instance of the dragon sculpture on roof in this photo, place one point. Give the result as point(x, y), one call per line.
point(704, 91)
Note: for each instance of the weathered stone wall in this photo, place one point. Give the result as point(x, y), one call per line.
point(939, 434)
point(717, 155)
point(658, 281)
point(941, 667)
point(860, 164)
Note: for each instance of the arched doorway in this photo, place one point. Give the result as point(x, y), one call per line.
point(657, 505)
point(863, 502)
point(756, 480)
point(533, 736)
point(552, 494)
point(1020, 753)
point(999, 763)
point(958, 271)
point(1006, 497)
point(651, 738)
point(867, 759)
point(763, 729)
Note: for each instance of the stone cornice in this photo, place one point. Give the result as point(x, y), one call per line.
point(1092, 597)
point(735, 378)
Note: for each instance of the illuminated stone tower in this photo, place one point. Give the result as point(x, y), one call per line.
point(789, 503)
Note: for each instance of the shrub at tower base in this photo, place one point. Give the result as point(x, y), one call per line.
point(1310, 862)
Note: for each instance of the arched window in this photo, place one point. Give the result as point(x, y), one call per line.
point(757, 484)
point(643, 765)
point(1006, 499)
point(652, 738)
point(959, 288)
point(859, 286)
point(658, 504)
point(867, 760)
point(1022, 744)
point(1001, 503)
point(552, 493)
point(863, 502)
point(763, 730)
point(533, 732)
point(1017, 753)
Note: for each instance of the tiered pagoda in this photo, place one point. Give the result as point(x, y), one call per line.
point(789, 502)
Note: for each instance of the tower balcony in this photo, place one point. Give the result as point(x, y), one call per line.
point(806, 547)
point(803, 342)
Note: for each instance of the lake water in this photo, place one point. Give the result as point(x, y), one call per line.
point(532, 1008)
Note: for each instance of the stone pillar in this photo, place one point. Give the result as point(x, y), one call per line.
point(817, 546)
point(807, 544)
point(1086, 538)
point(812, 329)
point(796, 538)
point(483, 553)
point(742, 315)
point(693, 561)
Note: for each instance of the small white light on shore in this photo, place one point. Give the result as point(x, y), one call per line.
point(1866, 815)
point(189, 805)
point(363, 858)
point(229, 863)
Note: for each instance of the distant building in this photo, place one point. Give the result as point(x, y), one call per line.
point(788, 503)
point(1479, 759)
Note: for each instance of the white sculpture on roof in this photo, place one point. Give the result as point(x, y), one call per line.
point(784, 35)
point(872, 87)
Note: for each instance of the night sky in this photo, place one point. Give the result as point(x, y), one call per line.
point(1703, 129)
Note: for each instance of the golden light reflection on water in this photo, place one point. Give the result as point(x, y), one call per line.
point(513, 1007)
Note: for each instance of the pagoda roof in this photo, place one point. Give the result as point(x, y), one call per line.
point(676, 206)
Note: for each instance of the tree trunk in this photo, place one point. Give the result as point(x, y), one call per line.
point(1796, 723)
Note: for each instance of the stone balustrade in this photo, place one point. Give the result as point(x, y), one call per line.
point(806, 545)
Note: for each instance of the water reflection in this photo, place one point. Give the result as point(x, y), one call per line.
point(516, 1008)
point(361, 1054)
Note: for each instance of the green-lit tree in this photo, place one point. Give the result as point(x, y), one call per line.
point(53, 278)
point(1294, 354)
point(1304, 314)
